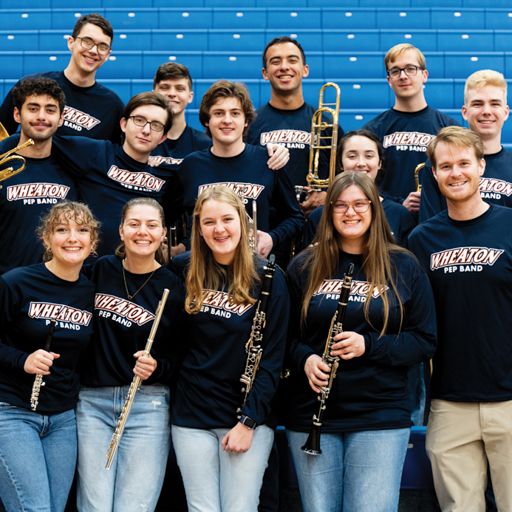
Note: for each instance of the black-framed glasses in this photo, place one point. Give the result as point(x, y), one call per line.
point(89, 43)
point(141, 121)
point(359, 206)
point(409, 70)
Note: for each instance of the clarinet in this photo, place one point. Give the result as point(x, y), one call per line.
point(134, 386)
point(38, 381)
point(253, 347)
point(312, 446)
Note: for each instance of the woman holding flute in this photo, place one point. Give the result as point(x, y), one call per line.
point(389, 326)
point(129, 286)
point(45, 323)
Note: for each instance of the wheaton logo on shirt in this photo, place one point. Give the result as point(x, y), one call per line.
point(243, 190)
point(286, 137)
point(464, 259)
point(122, 308)
point(359, 290)
point(59, 312)
point(408, 141)
point(135, 180)
point(76, 119)
point(490, 187)
point(157, 160)
point(218, 303)
point(36, 191)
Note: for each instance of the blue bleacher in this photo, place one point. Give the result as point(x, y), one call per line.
point(345, 42)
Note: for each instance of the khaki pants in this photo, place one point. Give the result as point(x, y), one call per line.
point(461, 438)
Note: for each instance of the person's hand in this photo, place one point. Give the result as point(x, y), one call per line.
point(238, 439)
point(348, 344)
point(279, 156)
point(313, 200)
point(265, 243)
point(40, 362)
point(317, 372)
point(177, 249)
point(412, 202)
point(144, 366)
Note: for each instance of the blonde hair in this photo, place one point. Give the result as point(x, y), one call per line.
point(456, 136)
point(204, 272)
point(401, 48)
point(64, 212)
point(482, 78)
point(161, 255)
point(323, 256)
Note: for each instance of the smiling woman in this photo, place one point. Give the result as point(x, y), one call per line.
point(129, 286)
point(222, 442)
point(46, 322)
point(388, 327)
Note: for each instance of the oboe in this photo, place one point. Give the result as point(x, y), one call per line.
point(38, 381)
point(312, 446)
point(134, 386)
point(253, 347)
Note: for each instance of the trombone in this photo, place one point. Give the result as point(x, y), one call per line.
point(324, 136)
point(10, 158)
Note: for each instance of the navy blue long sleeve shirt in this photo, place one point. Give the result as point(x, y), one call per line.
point(369, 392)
point(30, 297)
point(469, 264)
point(208, 390)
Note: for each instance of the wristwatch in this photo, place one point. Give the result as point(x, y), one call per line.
point(248, 422)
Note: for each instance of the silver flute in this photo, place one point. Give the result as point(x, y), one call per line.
point(134, 386)
point(38, 381)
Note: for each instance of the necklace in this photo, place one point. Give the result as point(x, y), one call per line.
point(132, 295)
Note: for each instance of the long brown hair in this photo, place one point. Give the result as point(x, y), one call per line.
point(204, 272)
point(322, 258)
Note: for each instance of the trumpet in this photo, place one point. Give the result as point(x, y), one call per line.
point(134, 386)
point(417, 170)
point(312, 445)
point(8, 157)
point(324, 136)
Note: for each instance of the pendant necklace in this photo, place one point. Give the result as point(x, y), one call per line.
point(132, 295)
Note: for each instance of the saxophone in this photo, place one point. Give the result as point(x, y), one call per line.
point(253, 347)
point(38, 381)
point(134, 386)
point(312, 446)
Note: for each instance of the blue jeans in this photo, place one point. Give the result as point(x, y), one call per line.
point(218, 481)
point(135, 479)
point(37, 459)
point(356, 471)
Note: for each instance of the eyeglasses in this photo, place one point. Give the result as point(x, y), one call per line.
point(141, 121)
point(89, 43)
point(360, 206)
point(409, 70)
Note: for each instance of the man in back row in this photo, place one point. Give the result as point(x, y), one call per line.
point(91, 110)
point(286, 118)
point(406, 129)
point(485, 110)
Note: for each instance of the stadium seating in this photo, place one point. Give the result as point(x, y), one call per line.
point(345, 42)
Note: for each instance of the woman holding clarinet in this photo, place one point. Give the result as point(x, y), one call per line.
point(129, 287)
point(353, 457)
point(45, 323)
point(219, 432)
